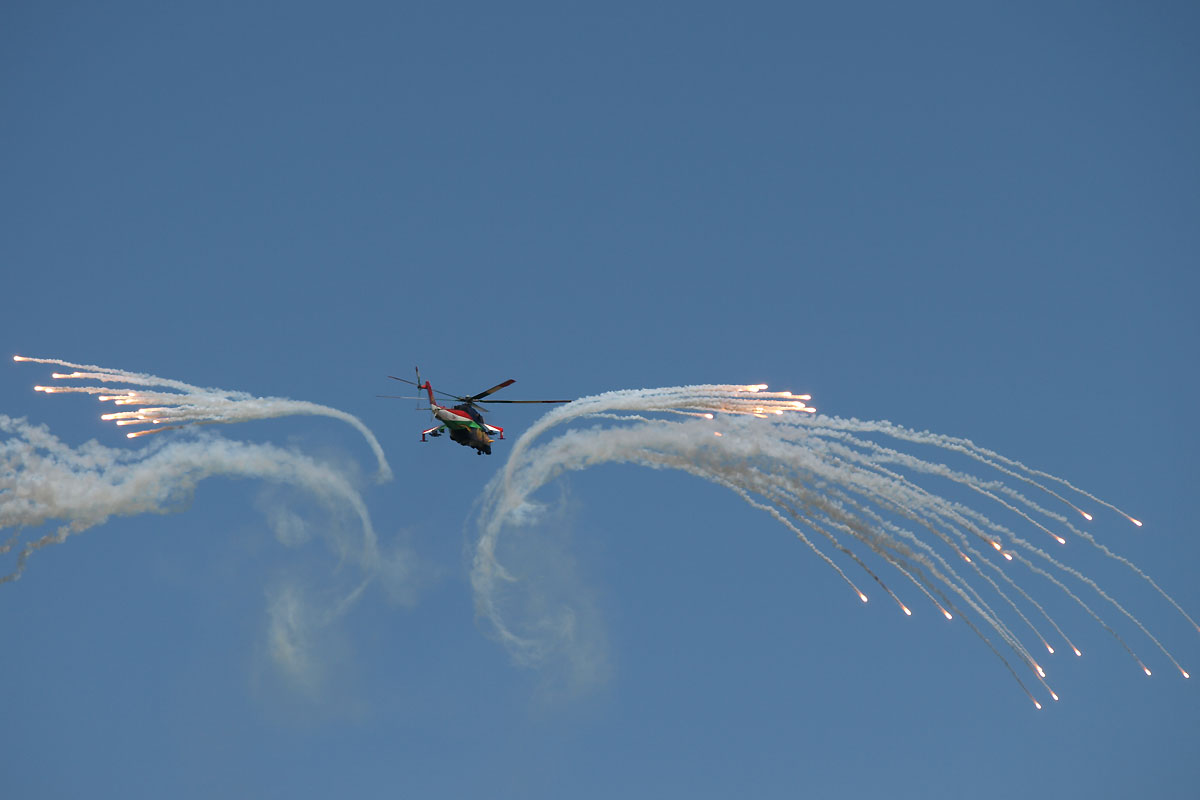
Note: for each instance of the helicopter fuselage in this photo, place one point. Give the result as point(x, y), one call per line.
point(465, 424)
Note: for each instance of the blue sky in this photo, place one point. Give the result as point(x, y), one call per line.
point(974, 220)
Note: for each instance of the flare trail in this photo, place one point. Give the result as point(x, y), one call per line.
point(847, 491)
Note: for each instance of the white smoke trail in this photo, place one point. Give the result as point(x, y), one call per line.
point(188, 404)
point(815, 475)
point(43, 480)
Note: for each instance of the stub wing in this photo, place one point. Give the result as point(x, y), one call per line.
point(436, 430)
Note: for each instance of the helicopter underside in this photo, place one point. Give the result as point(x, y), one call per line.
point(472, 437)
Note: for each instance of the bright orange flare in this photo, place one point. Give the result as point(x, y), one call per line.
point(862, 597)
point(1086, 516)
point(1135, 522)
point(905, 609)
point(136, 434)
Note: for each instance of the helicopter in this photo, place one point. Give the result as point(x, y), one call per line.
point(464, 421)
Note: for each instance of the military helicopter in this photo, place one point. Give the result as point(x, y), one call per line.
point(464, 421)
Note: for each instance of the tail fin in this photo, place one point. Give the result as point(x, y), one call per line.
point(426, 386)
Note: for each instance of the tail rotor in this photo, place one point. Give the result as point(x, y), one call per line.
point(420, 386)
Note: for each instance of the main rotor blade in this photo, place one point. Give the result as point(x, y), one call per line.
point(531, 401)
point(495, 388)
point(421, 386)
point(473, 397)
